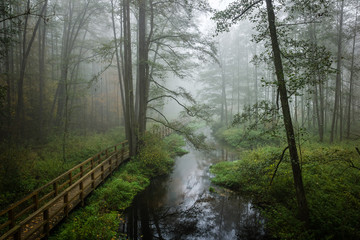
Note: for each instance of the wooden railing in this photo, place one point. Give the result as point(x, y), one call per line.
point(34, 214)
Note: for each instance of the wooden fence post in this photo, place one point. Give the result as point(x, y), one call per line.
point(92, 163)
point(17, 234)
point(36, 201)
point(81, 171)
point(122, 151)
point(70, 179)
point(66, 202)
point(92, 180)
point(11, 216)
point(55, 186)
point(82, 193)
point(102, 172)
point(46, 224)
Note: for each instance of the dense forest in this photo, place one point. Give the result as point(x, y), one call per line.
point(275, 81)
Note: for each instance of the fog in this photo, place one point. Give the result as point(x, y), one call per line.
point(76, 75)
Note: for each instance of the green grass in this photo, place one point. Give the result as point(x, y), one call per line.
point(240, 138)
point(25, 168)
point(102, 216)
point(331, 184)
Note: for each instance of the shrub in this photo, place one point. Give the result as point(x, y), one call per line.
point(331, 185)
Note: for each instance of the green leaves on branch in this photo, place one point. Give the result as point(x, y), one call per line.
point(236, 11)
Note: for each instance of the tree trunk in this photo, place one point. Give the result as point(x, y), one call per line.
point(224, 111)
point(143, 62)
point(351, 79)
point(300, 193)
point(128, 81)
point(20, 115)
point(42, 44)
point(338, 75)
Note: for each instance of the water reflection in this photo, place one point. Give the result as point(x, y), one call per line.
point(180, 206)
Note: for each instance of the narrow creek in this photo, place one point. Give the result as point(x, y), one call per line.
point(181, 205)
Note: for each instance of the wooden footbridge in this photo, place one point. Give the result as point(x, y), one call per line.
point(35, 215)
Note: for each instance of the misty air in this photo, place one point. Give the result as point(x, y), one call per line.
point(163, 119)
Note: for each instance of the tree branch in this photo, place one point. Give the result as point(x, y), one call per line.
point(282, 156)
point(245, 10)
point(160, 114)
point(169, 96)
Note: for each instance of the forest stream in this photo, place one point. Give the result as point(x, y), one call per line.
point(182, 206)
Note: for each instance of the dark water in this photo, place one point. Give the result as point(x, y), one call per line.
point(180, 206)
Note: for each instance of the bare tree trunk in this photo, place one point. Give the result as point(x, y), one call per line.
point(256, 89)
point(224, 110)
point(42, 43)
point(128, 81)
point(348, 123)
point(300, 192)
point(7, 74)
point(20, 114)
point(143, 68)
point(338, 75)
point(118, 61)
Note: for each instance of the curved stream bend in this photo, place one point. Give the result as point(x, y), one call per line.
point(180, 206)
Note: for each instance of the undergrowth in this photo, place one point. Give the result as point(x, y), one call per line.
point(25, 168)
point(102, 216)
point(331, 182)
point(245, 138)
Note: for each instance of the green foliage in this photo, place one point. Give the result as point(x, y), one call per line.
point(246, 138)
point(88, 224)
point(153, 158)
point(23, 169)
point(175, 143)
point(101, 218)
point(331, 183)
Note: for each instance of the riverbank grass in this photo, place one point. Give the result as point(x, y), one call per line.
point(331, 178)
point(102, 216)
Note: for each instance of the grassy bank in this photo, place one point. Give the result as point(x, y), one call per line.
point(101, 217)
point(331, 177)
point(25, 168)
point(241, 138)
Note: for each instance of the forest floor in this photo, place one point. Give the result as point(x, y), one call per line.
point(331, 176)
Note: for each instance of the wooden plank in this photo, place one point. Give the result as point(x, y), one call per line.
point(104, 172)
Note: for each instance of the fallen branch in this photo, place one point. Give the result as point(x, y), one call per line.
point(357, 149)
point(282, 156)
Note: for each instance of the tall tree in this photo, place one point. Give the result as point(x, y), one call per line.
point(20, 115)
point(295, 164)
point(351, 87)
point(336, 111)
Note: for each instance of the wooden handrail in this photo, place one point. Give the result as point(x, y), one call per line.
point(17, 210)
point(64, 195)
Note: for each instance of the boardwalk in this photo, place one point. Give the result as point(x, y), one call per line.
point(34, 216)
